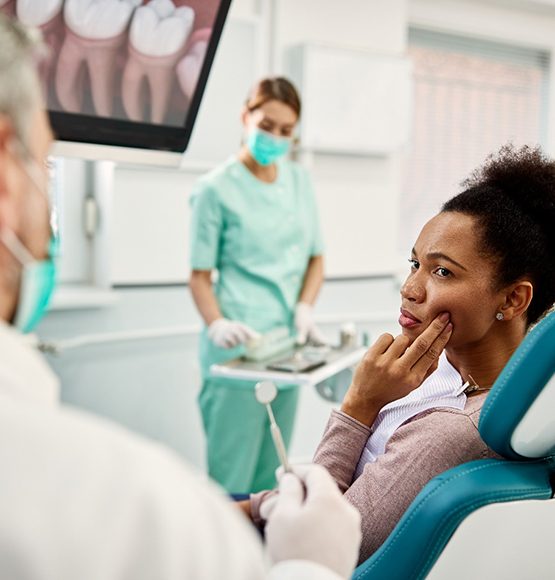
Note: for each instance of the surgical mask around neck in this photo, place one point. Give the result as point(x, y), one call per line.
point(38, 277)
point(37, 283)
point(265, 147)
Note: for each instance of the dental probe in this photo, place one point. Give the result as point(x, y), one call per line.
point(265, 393)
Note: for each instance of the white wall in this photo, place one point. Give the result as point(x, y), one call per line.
point(151, 226)
point(379, 25)
point(151, 385)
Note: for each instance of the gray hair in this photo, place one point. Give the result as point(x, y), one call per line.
point(20, 91)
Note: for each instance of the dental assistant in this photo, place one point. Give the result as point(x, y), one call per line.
point(255, 222)
point(80, 497)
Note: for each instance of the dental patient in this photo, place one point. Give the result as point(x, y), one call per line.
point(482, 272)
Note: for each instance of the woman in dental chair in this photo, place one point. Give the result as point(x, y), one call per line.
point(482, 272)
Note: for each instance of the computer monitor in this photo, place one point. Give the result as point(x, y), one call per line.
point(124, 73)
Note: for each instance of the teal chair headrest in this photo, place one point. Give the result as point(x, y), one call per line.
point(518, 418)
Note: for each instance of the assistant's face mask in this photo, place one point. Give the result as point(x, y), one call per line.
point(265, 147)
point(38, 277)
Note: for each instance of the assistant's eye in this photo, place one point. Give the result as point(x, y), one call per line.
point(266, 126)
point(414, 264)
point(442, 272)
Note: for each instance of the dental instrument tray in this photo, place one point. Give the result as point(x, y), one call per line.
point(302, 365)
point(269, 345)
point(279, 342)
point(297, 363)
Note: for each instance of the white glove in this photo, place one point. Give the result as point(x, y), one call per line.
point(268, 505)
point(305, 325)
point(323, 528)
point(227, 333)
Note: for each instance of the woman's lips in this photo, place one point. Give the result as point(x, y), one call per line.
point(407, 320)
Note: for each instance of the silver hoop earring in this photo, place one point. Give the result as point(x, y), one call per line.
point(500, 316)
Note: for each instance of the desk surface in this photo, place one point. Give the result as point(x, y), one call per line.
point(338, 359)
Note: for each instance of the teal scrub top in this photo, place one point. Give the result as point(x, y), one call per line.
point(258, 236)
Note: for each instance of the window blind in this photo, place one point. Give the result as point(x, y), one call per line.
point(470, 98)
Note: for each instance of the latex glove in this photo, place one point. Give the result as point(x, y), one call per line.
point(305, 325)
point(227, 333)
point(268, 505)
point(321, 527)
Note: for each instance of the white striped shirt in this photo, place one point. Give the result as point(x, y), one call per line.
point(441, 389)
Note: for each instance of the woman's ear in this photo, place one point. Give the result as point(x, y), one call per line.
point(517, 299)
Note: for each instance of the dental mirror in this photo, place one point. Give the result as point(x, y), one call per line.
point(265, 393)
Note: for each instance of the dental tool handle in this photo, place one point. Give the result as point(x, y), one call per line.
point(278, 439)
point(280, 447)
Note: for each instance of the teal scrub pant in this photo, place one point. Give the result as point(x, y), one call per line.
point(241, 454)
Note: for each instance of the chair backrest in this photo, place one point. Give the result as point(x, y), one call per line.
point(502, 541)
point(517, 421)
point(518, 417)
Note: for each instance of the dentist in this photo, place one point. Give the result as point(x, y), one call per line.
point(81, 497)
point(255, 223)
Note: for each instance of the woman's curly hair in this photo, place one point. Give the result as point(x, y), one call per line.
point(512, 196)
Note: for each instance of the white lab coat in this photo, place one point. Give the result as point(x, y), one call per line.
point(82, 498)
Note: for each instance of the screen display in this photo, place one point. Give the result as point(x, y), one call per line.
point(124, 72)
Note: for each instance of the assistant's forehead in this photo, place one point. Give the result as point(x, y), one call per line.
point(455, 234)
point(277, 112)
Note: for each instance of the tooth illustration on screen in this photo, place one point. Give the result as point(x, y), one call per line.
point(205, 12)
point(96, 31)
point(158, 38)
point(189, 67)
point(38, 12)
point(47, 16)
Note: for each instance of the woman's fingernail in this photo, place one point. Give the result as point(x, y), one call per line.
point(444, 316)
point(449, 327)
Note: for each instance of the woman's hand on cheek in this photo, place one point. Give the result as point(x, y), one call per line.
point(391, 369)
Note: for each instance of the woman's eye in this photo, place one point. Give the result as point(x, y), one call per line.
point(414, 264)
point(442, 272)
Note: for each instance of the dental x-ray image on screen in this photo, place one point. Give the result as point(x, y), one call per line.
point(124, 72)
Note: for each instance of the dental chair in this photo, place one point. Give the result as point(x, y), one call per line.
point(489, 519)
